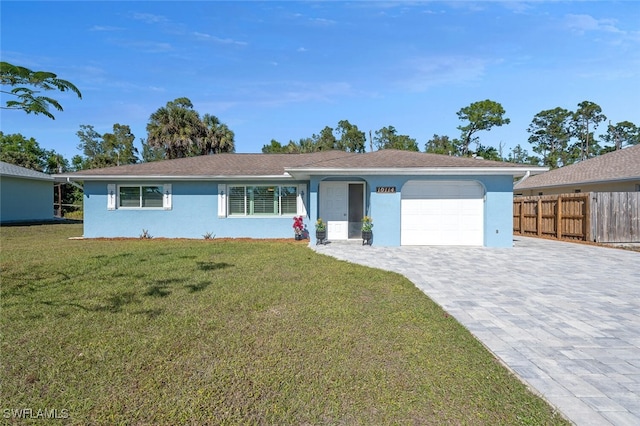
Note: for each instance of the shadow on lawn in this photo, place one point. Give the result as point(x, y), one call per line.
point(194, 288)
point(117, 301)
point(212, 266)
point(160, 287)
point(113, 304)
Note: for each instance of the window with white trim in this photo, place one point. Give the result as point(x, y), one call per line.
point(141, 196)
point(263, 200)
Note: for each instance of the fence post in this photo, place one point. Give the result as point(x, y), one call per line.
point(539, 217)
point(559, 217)
point(522, 217)
point(587, 217)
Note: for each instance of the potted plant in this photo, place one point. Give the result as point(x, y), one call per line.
point(367, 233)
point(298, 227)
point(321, 232)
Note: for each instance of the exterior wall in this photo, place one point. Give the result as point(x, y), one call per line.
point(630, 186)
point(194, 213)
point(25, 199)
point(498, 213)
point(384, 208)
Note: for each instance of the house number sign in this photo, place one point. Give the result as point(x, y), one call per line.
point(386, 189)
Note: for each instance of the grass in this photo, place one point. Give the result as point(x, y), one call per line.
point(234, 332)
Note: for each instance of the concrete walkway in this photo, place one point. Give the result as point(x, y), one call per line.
point(564, 317)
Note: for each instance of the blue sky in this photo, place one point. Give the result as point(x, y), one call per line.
point(285, 70)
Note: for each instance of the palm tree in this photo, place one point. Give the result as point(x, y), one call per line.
point(177, 129)
point(219, 137)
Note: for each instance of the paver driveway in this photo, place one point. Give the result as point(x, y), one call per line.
point(564, 317)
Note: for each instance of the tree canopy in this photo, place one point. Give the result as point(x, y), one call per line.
point(560, 137)
point(109, 149)
point(587, 117)
point(482, 115)
point(387, 138)
point(623, 133)
point(219, 137)
point(520, 155)
point(27, 86)
point(564, 137)
point(441, 145)
point(20, 151)
point(351, 139)
point(551, 131)
point(178, 130)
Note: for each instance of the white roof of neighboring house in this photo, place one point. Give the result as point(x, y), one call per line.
point(617, 166)
point(12, 170)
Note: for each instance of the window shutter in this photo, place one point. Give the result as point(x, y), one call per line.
point(302, 193)
point(166, 196)
point(222, 200)
point(111, 196)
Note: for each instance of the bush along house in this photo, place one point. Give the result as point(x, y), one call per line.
point(414, 198)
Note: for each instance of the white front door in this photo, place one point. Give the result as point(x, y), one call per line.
point(334, 204)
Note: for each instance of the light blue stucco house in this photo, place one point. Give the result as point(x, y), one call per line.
point(25, 195)
point(414, 198)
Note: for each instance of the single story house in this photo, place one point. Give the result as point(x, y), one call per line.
point(414, 198)
point(617, 171)
point(25, 195)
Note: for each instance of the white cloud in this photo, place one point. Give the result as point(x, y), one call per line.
point(278, 93)
point(322, 21)
point(517, 6)
point(105, 28)
point(149, 18)
point(145, 46)
point(209, 37)
point(584, 23)
point(420, 74)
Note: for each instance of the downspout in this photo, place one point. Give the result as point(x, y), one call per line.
point(526, 175)
point(77, 185)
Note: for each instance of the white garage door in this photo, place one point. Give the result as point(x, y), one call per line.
point(442, 213)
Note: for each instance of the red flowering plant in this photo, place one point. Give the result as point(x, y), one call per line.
point(298, 225)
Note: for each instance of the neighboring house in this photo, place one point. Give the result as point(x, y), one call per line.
point(414, 198)
point(617, 171)
point(25, 195)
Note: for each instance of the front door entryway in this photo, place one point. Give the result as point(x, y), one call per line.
point(342, 208)
point(356, 209)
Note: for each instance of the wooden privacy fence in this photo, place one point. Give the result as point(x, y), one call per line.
point(617, 218)
point(604, 217)
point(563, 216)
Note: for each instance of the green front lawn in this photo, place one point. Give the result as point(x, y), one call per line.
point(234, 332)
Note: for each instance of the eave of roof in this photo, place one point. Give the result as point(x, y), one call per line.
point(199, 178)
point(580, 183)
point(305, 173)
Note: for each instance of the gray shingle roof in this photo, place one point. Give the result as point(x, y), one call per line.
point(215, 165)
point(258, 165)
point(394, 159)
point(12, 170)
point(615, 166)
